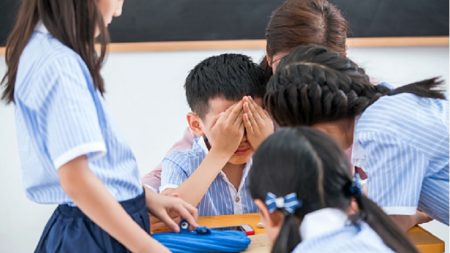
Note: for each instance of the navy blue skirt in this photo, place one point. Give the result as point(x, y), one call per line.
point(70, 230)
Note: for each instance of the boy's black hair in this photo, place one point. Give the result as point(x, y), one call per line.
point(309, 163)
point(230, 76)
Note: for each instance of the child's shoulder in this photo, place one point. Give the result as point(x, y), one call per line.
point(43, 64)
point(187, 159)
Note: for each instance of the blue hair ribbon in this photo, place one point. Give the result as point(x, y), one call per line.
point(289, 203)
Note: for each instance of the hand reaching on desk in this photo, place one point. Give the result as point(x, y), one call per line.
point(165, 208)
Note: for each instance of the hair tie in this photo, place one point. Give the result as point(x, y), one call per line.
point(288, 203)
point(353, 188)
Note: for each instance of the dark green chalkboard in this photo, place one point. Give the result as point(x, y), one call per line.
point(200, 20)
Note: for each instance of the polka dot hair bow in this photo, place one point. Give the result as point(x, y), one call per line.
point(288, 203)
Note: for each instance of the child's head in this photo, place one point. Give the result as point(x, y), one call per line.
point(306, 162)
point(315, 86)
point(304, 22)
point(217, 83)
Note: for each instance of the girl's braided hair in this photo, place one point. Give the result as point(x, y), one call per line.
point(314, 84)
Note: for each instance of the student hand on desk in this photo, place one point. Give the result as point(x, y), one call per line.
point(168, 209)
point(257, 122)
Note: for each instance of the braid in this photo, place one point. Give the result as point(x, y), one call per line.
point(313, 84)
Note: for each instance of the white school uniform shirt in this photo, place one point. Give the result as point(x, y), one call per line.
point(222, 197)
point(328, 230)
point(61, 116)
point(401, 142)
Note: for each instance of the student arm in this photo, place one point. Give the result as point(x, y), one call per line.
point(195, 187)
point(226, 134)
point(92, 197)
point(405, 222)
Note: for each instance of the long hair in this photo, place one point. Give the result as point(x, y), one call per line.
point(314, 84)
point(305, 22)
point(73, 22)
point(309, 163)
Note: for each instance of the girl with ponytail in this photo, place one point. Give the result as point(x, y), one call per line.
point(302, 186)
point(399, 136)
point(71, 155)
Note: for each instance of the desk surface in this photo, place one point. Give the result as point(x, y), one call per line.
point(425, 241)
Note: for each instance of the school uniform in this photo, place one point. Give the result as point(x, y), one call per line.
point(222, 197)
point(329, 230)
point(402, 143)
point(61, 116)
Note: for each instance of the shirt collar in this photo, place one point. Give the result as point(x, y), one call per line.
point(40, 27)
point(202, 143)
point(322, 222)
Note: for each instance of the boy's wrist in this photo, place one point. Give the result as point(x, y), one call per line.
point(219, 155)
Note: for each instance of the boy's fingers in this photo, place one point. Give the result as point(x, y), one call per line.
point(253, 121)
point(234, 114)
point(238, 120)
point(258, 108)
point(248, 124)
point(256, 113)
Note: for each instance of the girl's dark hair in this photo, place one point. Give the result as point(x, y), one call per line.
point(73, 22)
point(310, 164)
point(314, 84)
point(305, 22)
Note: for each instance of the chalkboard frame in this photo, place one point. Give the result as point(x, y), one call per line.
point(261, 44)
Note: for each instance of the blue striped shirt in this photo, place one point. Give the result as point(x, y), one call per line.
point(221, 197)
point(402, 143)
point(61, 116)
point(328, 230)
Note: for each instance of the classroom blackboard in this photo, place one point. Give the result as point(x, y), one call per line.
point(203, 20)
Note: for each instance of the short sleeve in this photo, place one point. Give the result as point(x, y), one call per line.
point(172, 174)
point(71, 124)
point(395, 172)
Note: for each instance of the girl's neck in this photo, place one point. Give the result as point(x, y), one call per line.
point(340, 130)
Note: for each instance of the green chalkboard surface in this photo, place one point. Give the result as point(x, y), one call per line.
point(200, 20)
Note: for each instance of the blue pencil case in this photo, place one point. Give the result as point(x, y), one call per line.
point(203, 240)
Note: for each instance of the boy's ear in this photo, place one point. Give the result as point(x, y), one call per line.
point(195, 123)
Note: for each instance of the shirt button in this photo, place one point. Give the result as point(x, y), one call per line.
point(237, 199)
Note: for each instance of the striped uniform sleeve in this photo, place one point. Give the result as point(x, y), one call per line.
point(172, 174)
point(70, 117)
point(395, 172)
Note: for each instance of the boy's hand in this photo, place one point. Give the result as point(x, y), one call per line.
point(166, 208)
point(257, 122)
point(227, 132)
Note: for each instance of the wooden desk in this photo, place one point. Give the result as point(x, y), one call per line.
point(425, 241)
